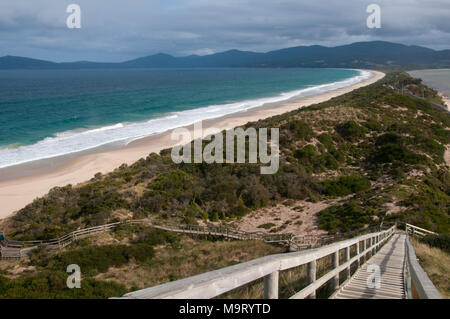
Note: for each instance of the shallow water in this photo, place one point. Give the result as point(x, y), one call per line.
point(48, 113)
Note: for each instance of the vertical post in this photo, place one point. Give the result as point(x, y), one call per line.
point(311, 271)
point(347, 258)
point(364, 247)
point(335, 264)
point(271, 285)
point(373, 245)
point(357, 253)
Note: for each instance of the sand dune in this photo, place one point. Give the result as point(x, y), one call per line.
point(15, 193)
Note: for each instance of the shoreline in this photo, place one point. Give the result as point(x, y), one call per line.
point(445, 95)
point(446, 99)
point(17, 192)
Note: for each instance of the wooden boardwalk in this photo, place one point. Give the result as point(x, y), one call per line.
point(18, 249)
point(391, 260)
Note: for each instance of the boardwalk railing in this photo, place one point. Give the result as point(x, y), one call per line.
point(312, 241)
point(215, 283)
point(213, 230)
point(418, 285)
point(17, 249)
point(414, 230)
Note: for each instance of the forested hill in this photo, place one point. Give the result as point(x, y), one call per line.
point(381, 151)
point(375, 54)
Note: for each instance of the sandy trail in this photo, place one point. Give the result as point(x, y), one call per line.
point(447, 155)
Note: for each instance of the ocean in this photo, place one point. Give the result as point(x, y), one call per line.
point(49, 113)
point(438, 79)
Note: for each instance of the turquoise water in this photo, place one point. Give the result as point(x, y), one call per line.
point(47, 113)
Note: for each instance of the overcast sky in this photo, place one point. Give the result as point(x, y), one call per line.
point(117, 30)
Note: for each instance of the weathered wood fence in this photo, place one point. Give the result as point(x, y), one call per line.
point(17, 249)
point(418, 284)
point(218, 282)
point(414, 230)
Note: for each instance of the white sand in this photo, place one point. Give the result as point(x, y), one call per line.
point(446, 100)
point(17, 193)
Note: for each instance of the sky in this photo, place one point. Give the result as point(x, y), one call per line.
point(119, 30)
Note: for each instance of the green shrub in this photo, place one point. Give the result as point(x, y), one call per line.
point(173, 182)
point(52, 285)
point(440, 241)
point(307, 155)
point(328, 161)
point(391, 148)
point(215, 217)
point(326, 140)
point(350, 130)
point(346, 185)
point(430, 146)
point(193, 212)
point(98, 259)
point(154, 237)
point(266, 225)
point(344, 218)
point(301, 130)
point(374, 125)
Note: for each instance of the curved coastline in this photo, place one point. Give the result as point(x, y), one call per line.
point(120, 134)
point(17, 191)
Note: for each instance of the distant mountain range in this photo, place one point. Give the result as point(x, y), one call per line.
point(375, 54)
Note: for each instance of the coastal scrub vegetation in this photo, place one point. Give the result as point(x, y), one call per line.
point(376, 154)
point(435, 261)
point(129, 258)
point(365, 144)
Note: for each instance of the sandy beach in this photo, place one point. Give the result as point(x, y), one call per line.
point(17, 192)
point(446, 100)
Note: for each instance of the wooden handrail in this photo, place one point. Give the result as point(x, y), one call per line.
point(215, 283)
point(418, 283)
point(417, 230)
point(294, 242)
point(67, 239)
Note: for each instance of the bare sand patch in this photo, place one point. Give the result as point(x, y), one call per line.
point(298, 218)
point(394, 208)
point(447, 155)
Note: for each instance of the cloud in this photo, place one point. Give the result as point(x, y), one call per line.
point(204, 51)
point(115, 30)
